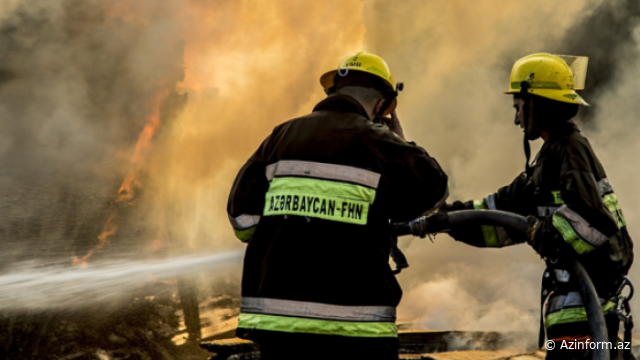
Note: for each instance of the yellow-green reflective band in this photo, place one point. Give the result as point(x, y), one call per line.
point(322, 199)
point(479, 205)
point(557, 197)
point(316, 326)
point(573, 315)
point(489, 232)
point(245, 235)
point(611, 201)
point(570, 236)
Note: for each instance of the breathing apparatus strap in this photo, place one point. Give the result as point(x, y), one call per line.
point(524, 94)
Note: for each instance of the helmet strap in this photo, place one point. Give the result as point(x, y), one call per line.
point(524, 95)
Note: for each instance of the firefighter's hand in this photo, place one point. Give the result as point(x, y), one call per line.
point(394, 125)
point(534, 233)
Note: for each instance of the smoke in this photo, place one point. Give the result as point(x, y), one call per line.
point(79, 81)
point(455, 58)
point(249, 67)
point(460, 298)
point(610, 52)
point(77, 88)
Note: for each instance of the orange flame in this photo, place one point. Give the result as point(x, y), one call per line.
point(126, 192)
point(109, 229)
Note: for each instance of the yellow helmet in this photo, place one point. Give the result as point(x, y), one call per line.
point(549, 76)
point(365, 62)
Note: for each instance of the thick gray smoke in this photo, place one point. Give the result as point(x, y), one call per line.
point(75, 90)
point(79, 80)
point(455, 58)
point(607, 35)
point(99, 139)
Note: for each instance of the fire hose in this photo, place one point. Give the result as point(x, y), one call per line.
point(443, 222)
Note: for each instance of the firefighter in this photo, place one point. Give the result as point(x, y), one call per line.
point(568, 200)
point(313, 204)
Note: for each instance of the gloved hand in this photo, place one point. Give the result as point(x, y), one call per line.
point(534, 233)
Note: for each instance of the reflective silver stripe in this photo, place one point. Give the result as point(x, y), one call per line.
point(490, 200)
point(314, 310)
point(572, 299)
point(244, 221)
point(547, 210)
point(604, 187)
point(582, 227)
point(271, 170)
point(562, 275)
point(501, 233)
point(324, 171)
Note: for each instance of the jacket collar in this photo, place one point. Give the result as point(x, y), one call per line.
point(563, 130)
point(341, 103)
point(558, 133)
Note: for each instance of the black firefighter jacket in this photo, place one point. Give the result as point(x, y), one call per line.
point(568, 190)
point(314, 204)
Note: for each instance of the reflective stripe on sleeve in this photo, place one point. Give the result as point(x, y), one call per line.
point(315, 310)
point(244, 226)
point(608, 197)
point(494, 236)
point(245, 235)
point(611, 202)
point(323, 171)
point(489, 232)
point(576, 231)
point(244, 221)
point(490, 201)
point(501, 233)
point(317, 326)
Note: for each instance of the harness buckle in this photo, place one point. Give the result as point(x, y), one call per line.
point(623, 309)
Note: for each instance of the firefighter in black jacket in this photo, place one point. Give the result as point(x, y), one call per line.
point(314, 204)
point(569, 201)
